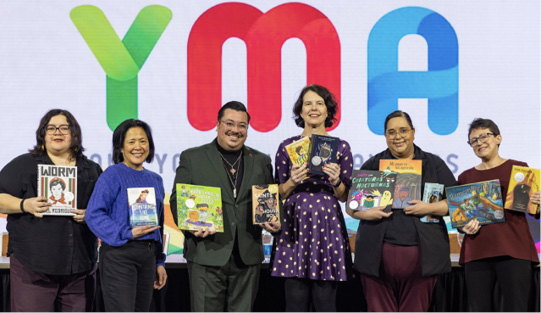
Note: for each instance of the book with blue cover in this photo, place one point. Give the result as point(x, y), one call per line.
point(143, 211)
point(433, 192)
point(324, 151)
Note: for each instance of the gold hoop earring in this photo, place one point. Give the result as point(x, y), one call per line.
point(42, 147)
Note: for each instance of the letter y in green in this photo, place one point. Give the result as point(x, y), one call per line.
point(121, 60)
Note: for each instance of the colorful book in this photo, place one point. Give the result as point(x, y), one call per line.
point(324, 150)
point(370, 189)
point(143, 211)
point(59, 185)
point(433, 193)
point(199, 207)
point(265, 204)
point(523, 183)
point(299, 151)
point(482, 201)
point(408, 180)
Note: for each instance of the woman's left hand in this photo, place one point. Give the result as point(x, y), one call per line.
point(161, 277)
point(417, 207)
point(79, 216)
point(333, 171)
point(535, 198)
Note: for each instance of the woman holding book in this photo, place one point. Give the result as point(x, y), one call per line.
point(312, 250)
point(131, 258)
point(502, 253)
point(52, 258)
point(398, 256)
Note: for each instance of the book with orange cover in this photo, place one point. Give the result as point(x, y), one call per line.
point(299, 150)
point(408, 180)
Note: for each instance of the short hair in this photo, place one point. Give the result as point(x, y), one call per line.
point(55, 182)
point(483, 123)
point(119, 135)
point(76, 147)
point(330, 103)
point(233, 105)
point(298, 149)
point(398, 113)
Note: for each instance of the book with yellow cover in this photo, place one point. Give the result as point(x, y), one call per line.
point(299, 151)
point(523, 183)
point(408, 180)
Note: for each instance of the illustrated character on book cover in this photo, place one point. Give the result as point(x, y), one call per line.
point(57, 187)
point(302, 157)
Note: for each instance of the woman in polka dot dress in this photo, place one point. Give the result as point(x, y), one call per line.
point(312, 251)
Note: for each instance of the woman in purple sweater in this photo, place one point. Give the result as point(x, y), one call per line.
point(502, 253)
point(131, 259)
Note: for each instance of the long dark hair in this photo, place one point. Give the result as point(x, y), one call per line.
point(120, 134)
point(76, 147)
point(330, 103)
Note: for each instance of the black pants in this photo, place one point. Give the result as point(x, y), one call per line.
point(302, 293)
point(512, 276)
point(127, 275)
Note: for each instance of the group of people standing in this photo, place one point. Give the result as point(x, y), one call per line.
point(399, 258)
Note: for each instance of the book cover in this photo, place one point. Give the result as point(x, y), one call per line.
point(324, 150)
point(433, 193)
point(199, 207)
point(482, 200)
point(370, 189)
point(143, 211)
point(59, 185)
point(523, 183)
point(299, 151)
point(265, 205)
point(408, 180)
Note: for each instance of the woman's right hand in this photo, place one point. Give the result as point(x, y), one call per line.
point(36, 206)
point(372, 214)
point(298, 173)
point(140, 231)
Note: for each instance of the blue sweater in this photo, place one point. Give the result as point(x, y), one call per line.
point(107, 213)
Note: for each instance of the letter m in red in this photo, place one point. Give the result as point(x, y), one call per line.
point(263, 34)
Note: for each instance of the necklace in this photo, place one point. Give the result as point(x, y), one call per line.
point(232, 171)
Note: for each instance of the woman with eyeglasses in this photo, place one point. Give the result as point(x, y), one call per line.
point(499, 253)
point(312, 250)
point(398, 256)
point(52, 258)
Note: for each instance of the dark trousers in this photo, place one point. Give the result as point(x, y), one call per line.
point(513, 276)
point(37, 292)
point(302, 293)
point(400, 286)
point(127, 275)
point(228, 288)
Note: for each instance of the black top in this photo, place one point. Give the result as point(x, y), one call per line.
point(432, 238)
point(231, 157)
point(54, 245)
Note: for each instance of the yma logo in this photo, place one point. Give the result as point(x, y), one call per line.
point(439, 84)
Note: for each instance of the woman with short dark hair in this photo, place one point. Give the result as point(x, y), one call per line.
point(131, 258)
point(52, 258)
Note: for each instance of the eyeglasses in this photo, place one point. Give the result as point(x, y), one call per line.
point(391, 133)
point(481, 139)
point(243, 127)
point(63, 129)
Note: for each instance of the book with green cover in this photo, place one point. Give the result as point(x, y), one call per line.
point(199, 207)
point(370, 189)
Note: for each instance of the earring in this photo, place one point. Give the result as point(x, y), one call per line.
point(75, 150)
point(42, 147)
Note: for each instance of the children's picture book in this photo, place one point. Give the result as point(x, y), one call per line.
point(59, 185)
point(408, 180)
point(523, 183)
point(199, 207)
point(482, 200)
point(299, 151)
point(143, 211)
point(433, 193)
point(265, 203)
point(370, 189)
point(324, 150)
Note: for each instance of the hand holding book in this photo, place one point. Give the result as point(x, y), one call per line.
point(140, 231)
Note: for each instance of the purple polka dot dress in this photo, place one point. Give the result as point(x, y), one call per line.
point(313, 243)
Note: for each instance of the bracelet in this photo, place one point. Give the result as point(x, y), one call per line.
point(22, 205)
point(337, 184)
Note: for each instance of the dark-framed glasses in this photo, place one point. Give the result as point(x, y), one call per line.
point(392, 133)
point(64, 129)
point(240, 126)
point(481, 139)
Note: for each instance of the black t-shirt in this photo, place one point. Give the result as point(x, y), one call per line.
point(54, 245)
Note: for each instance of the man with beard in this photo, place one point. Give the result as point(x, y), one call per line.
point(224, 267)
